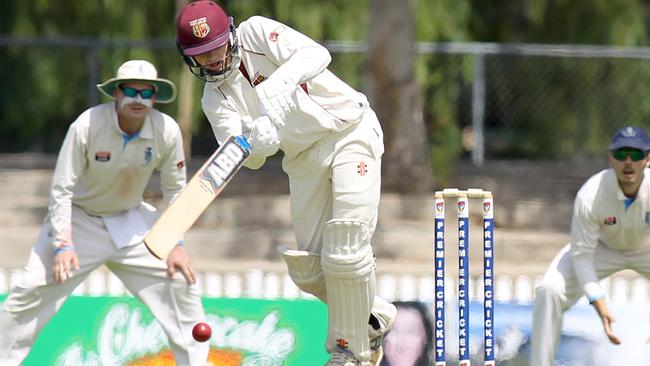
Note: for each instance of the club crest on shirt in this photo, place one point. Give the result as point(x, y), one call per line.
point(180, 164)
point(148, 155)
point(610, 220)
point(103, 156)
point(258, 78)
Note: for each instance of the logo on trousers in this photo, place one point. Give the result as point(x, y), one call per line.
point(362, 169)
point(611, 220)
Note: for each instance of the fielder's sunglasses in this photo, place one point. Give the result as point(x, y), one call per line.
point(635, 154)
point(132, 92)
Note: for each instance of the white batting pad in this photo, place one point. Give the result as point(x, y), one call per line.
point(304, 270)
point(348, 266)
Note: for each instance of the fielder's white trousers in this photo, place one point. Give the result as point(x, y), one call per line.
point(560, 289)
point(33, 301)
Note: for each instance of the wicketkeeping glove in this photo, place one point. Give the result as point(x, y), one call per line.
point(276, 99)
point(263, 135)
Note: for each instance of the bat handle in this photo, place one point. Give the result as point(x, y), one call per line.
point(241, 141)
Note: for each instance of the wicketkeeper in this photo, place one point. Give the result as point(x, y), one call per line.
point(97, 216)
point(271, 83)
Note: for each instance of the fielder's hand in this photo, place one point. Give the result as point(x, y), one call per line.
point(607, 318)
point(64, 262)
point(178, 259)
point(264, 136)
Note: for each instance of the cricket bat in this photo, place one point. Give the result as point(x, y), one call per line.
point(197, 195)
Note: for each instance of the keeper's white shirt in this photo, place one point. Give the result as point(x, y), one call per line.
point(271, 50)
point(600, 214)
point(104, 172)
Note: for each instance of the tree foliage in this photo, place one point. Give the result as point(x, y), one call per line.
point(574, 101)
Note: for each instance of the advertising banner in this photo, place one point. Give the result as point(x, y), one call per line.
point(103, 331)
point(583, 341)
point(121, 331)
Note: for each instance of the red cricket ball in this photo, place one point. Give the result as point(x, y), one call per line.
point(201, 332)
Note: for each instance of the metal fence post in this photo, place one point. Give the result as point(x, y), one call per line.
point(92, 64)
point(478, 109)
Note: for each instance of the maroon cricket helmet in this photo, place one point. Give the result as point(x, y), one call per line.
point(202, 26)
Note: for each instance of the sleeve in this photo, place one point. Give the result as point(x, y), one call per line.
point(70, 165)
point(299, 58)
point(225, 121)
point(173, 170)
point(584, 238)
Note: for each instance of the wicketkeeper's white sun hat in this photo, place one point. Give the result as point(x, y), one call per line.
point(144, 71)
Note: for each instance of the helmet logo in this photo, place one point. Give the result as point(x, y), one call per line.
point(200, 27)
point(629, 132)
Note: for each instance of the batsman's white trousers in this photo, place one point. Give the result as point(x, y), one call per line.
point(33, 301)
point(337, 178)
point(560, 289)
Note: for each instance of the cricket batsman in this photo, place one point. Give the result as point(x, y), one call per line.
point(610, 232)
point(271, 83)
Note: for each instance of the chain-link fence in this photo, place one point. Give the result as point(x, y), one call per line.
point(495, 100)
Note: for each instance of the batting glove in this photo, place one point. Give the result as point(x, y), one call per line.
point(276, 99)
point(264, 136)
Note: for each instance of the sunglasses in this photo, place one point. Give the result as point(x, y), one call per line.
point(132, 92)
point(634, 154)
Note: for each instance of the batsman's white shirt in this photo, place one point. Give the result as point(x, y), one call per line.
point(271, 50)
point(100, 170)
point(332, 135)
point(601, 215)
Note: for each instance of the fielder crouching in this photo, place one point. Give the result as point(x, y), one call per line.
point(271, 83)
point(610, 232)
point(97, 216)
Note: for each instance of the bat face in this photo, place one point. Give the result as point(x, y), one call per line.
point(197, 195)
point(221, 169)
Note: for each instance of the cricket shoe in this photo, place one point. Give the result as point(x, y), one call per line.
point(343, 357)
point(381, 322)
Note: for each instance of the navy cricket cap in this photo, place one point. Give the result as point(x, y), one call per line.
point(630, 136)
